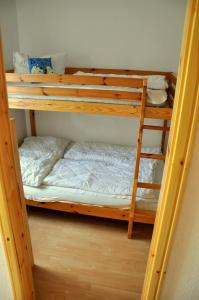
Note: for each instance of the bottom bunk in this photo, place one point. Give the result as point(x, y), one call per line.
point(140, 216)
point(88, 178)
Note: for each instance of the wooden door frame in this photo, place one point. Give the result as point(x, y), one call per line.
point(13, 219)
point(180, 145)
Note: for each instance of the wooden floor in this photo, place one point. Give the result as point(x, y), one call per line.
point(79, 257)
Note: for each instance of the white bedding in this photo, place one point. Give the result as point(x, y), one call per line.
point(89, 174)
point(98, 176)
point(37, 157)
point(154, 96)
point(60, 194)
point(110, 153)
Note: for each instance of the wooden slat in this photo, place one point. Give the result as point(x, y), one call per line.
point(72, 92)
point(152, 186)
point(75, 79)
point(158, 113)
point(90, 108)
point(142, 216)
point(74, 106)
point(154, 127)
point(115, 71)
point(91, 210)
point(152, 156)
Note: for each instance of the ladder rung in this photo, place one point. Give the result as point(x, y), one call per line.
point(153, 127)
point(152, 156)
point(146, 185)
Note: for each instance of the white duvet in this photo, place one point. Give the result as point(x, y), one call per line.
point(37, 157)
point(101, 176)
point(109, 153)
point(91, 167)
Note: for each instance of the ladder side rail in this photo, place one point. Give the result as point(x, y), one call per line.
point(138, 157)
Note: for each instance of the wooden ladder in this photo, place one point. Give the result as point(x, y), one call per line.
point(140, 154)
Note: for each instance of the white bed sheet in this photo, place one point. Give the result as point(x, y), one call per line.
point(67, 195)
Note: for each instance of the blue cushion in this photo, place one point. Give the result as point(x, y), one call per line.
point(38, 65)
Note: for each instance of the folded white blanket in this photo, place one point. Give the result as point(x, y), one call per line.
point(37, 157)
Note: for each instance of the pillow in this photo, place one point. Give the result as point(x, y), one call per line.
point(45, 144)
point(38, 65)
point(58, 61)
point(20, 62)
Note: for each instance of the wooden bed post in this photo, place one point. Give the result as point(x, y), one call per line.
point(32, 122)
point(163, 136)
point(138, 156)
point(20, 184)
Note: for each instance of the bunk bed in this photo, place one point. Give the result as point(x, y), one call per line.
point(97, 91)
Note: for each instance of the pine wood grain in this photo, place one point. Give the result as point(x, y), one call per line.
point(70, 79)
point(75, 92)
point(12, 216)
point(90, 108)
point(143, 216)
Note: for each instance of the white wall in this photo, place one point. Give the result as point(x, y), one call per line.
point(135, 34)
point(182, 277)
point(6, 292)
point(8, 24)
point(115, 33)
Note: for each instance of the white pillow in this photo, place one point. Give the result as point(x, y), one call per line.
point(20, 62)
point(45, 144)
point(58, 62)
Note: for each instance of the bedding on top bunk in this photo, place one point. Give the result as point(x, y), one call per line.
point(87, 173)
point(156, 92)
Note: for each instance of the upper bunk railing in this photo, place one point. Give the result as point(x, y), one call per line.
point(67, 80)
point(47, 87)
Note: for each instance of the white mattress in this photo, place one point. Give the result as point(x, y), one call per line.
point(61, 194)
point(154, 97)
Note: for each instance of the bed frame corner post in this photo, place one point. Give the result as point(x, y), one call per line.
point(163, 136)
point(137, 161)
point(32, 122)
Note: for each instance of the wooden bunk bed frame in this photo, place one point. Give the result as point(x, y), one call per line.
point(141, 111)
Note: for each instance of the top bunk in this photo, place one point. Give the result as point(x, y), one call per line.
point(95, 91)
